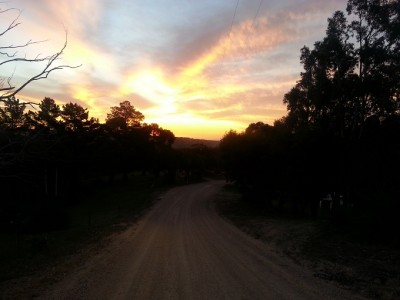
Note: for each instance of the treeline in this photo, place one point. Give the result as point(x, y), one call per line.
point(341, 135)
point(48, 152)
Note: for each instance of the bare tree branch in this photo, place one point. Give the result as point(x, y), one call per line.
point(7, 88)
point(9, 55)
point(36, 59)
point(42, 75)
point(14, 23)
point(28, 43)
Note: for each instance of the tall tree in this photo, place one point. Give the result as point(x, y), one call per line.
point(377, 41)
point(123, 116)
point(12, 113)
point(322, 97)
point(48, 113)
point(352, 74)
point(74, 116)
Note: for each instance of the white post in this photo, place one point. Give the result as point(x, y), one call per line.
point(56, 184)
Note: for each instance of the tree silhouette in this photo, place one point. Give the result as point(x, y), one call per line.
point(352, 74)
point(123, 116)
point(161, 137)
point(341, 132)
point(24, 150)
point(10, 54)
point(12, 113)
point(74, 117)
point(48, 113)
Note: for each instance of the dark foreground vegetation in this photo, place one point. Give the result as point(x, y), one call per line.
point(346, 258)
point(49, 153)
point(67, 179)
point(65, 176)
point(51, 232)
point(55, 159)
point(336, 153)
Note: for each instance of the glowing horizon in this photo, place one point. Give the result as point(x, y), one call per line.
point(192, 68)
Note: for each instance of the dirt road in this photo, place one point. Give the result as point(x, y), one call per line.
point(183, 250)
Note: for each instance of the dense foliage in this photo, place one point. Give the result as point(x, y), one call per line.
point(341, 135)
point(47, 152)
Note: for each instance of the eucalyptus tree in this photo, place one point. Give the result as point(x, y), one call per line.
point(376, 30)
point(352, 74)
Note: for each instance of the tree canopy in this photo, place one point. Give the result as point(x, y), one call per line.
point(353, 74)
point(123, 116)
point(341, 134)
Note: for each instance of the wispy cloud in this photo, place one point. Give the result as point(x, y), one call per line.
point(187, 65)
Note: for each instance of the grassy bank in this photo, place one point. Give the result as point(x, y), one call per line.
point(368, 267)
point(99, 209)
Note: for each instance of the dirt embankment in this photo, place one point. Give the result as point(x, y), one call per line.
point(366, 268)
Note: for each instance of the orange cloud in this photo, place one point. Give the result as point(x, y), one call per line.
point(194, 77)
point(212, 78)
point(244, 40)
point(213, 73)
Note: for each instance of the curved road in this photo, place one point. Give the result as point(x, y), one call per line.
point(183, 250)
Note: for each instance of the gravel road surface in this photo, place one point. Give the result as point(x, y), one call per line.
point(182, 249)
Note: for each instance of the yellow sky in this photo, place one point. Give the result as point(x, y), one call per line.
point(198, 69)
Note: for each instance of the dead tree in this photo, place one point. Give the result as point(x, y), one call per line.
point(15, 156)
point(10, 54)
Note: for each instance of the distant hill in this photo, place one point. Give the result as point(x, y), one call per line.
point(183, 142)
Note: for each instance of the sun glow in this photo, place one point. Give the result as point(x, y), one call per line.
point(81, 93)
point(151, 85)
point(190, 73)
point(184, 123)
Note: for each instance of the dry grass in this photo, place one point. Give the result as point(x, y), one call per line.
point(369, 268)
point(102, 210)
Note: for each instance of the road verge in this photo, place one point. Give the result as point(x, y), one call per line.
point(371, 269)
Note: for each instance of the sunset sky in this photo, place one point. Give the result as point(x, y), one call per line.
point(198, 68)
